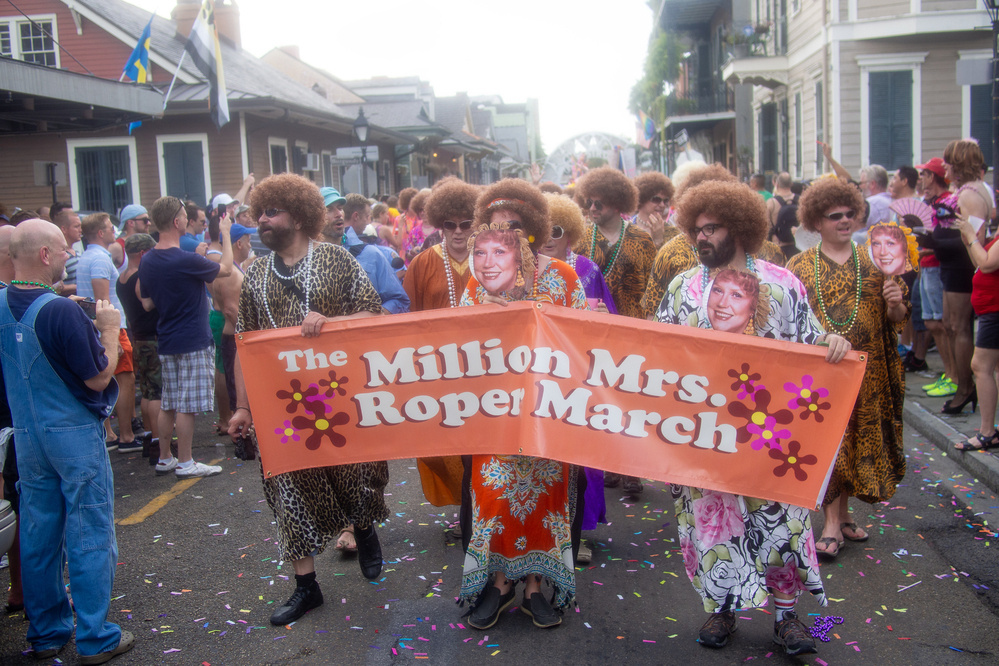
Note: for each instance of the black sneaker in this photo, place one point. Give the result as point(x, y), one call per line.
point(793, 636)
point(611, 480)
point(541, 611)
point(912, 364)
point(302, 600)
point(129, 447)
point(489, 605)
point(369, 552)
point(715, 632)
point(632, 486)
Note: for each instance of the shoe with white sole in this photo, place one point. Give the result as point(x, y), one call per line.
point(166, 467)
point(197, 469)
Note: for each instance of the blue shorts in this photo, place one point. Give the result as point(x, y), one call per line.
point(931, 293)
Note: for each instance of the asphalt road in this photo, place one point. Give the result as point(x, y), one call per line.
point(198, 579)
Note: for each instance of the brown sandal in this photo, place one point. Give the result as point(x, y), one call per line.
point(856, 532)
point(832, 545)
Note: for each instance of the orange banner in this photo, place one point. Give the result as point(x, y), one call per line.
point(697, 407)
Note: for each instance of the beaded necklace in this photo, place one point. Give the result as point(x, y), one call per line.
point(856, 301)
point(304, 268)
point(616, 251)
point(452, 297)
point(571, 260)
point(3, 285)
point(32, 283)
point(705, 278)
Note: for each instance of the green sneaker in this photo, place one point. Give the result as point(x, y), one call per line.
point(946, 388)
point(940, 379)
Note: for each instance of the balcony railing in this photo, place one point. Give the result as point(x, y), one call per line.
point(762, 39)
point(689, 105)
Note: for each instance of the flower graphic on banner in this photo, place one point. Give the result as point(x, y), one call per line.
point(296, 395)
point(767, 434)
point(757, 415)
point(745, 381)
point(287, 432)
point(792, 460)
point(322, 427)
point(334, 385)
point(317, 403)
point(807, 398)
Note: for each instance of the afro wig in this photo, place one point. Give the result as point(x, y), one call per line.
point(825, 194)
point(564, 213)
point(522, 198)
point(451, 199)
point(419, 201)
point(701, 173)
point(293, 193)
point(610, 186)
point(733, 204)
point(406, 197)
point(551, 187)
point(966, 160)
point(650, 184)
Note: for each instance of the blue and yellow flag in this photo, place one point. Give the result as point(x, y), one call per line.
point(137, 67)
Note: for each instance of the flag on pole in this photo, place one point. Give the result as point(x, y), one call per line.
point(648, 125)
point(137, 67)
point(203, 47)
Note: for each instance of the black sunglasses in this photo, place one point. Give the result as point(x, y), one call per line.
point(464, 225)
point(836, 217)
point(557, 232)
point(273, 212)
point(593, 203)
point(657, 200)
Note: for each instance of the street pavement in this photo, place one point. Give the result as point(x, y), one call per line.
point(200, 573)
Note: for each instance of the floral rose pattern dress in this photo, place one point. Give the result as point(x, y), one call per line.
point(735, 548)
point(523, 507)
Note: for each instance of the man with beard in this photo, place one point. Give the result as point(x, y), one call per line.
point(305, 284)
point(772, 545)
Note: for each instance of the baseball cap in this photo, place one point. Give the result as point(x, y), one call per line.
point(331, 196)
point(238, 231)
point(936, 165)
point(223, 199)
point(130, 212)
point(137, 243)
point(242, 209)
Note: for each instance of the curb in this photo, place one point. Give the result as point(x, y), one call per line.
point(984, 466)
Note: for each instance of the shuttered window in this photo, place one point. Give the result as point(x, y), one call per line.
point(103, 178)
point(890, 119)
point(185, 171)
point(981, 119)
point(768, 138)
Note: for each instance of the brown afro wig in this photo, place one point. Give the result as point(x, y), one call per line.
point(523, 199)
point(419, 201)
point(966, 160)
point(550, 187)
point(451, 199)
point(293, 193)
point(702, 174)
point(564, 213)
point(652, 183)
point(405, 197)
point(732, 204)
point(824, 194)
point(610, 186)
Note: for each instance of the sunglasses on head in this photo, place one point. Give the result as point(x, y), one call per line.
point(464, 225)
point(657, 200)
point(273, 212)
point(836, 217)
point(557, 232)
point(593, 203)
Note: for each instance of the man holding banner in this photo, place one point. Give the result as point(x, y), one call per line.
point(306, 284)
point(738, 550)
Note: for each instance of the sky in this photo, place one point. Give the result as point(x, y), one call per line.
point(578, 58)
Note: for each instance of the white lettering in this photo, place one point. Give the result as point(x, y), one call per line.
point(380, 371)
point(376, 409)
point(603, 371)
point(551, 399)
point(291, 358)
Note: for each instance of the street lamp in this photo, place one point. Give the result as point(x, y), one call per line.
point(361, 132)
point(992, 7)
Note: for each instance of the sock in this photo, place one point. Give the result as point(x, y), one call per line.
point(305, 580)
point(166, 461)
point(185, 465)
point(784, 608)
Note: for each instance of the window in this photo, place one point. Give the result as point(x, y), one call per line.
point(820, 126)
point(768, 138)
point(103, 174)
point(29, 39)
point(981, 119)
point(797, 135)
point(890, 119)
point(278, 149)
point(327, 169)
point(183, 162)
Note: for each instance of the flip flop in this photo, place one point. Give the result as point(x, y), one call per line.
point(832, 547)
point(856, 530)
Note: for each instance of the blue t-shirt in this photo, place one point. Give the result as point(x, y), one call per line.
point(189, 242)
point(69, 341)
point(175, 280)
point(96, 263)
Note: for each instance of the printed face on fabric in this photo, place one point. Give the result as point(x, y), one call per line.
point(732, 301)
point(496, 259)
point(888, 251)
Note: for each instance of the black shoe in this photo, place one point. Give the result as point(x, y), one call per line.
point(246, 449)
point(632, 485)
point(369, 551)
point(912, 364)
point(793, 636)
point(715, 632)
point(541, 611)
point(302, 600)
point(611, 480)
point(489, 605)
point(129, 447)
point(137, 424)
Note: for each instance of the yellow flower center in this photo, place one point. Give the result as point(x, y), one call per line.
point(743, 377)
point(767, 434)
point(759, 418)
point(813, 407)
point(805, 393)
point(296, 396)
point(322, 424)
point(334, 385)
point(288, 432)
point(791, 460)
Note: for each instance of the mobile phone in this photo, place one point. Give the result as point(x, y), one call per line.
point(220, 210)
point(90, 307)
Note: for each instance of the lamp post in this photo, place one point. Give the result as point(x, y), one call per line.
point(361, 132)
point(992, 7)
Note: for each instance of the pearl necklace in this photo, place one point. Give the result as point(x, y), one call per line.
point(32, 283)
point(304, 269)
point(571, 259)
point(614, 254)
point(452, 297)
point(856, 302)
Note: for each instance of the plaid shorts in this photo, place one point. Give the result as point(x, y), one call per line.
point(189, 381)
point(147, 369)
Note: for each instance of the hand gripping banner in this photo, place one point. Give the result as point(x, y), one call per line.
point(728, 412)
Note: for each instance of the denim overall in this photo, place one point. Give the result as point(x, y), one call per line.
point(67, 495)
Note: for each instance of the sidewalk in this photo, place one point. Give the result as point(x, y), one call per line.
point(923, 413)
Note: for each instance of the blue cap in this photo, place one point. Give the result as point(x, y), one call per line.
point(331, 196)
point(130, 212)
point(238, 231)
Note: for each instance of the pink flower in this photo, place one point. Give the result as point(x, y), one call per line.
point(287, 432)
point(784, 579)
point(808, 550)
point(768, 434)
point(717, 518)
point(689, 556)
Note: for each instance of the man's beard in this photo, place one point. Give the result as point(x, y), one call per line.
point(278, 239)
point(714, 257)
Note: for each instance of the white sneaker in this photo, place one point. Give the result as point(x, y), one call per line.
point(166, 467)
point(197, 469)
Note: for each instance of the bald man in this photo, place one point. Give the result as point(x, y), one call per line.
point(54, 362)
point(6, 265)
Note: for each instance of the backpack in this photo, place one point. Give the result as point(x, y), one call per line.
point(787, 219)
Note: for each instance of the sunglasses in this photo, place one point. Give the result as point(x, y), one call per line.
point(557, 232)
point(836, 217)
point(142, 219)
point(464, 225)
point(593, 203)
point(708, 230)
point(273, 212)
point(657, 200)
